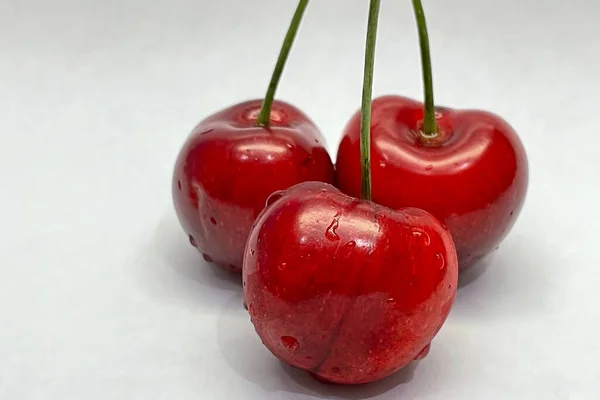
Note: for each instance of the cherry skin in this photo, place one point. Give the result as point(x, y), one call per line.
point(473, 176)
point(346, 289)
point(229, 166)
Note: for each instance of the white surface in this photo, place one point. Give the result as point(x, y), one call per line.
point(101, 297)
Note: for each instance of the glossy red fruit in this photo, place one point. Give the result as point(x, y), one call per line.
point(346, 289)
point(473, 176)
point(228, 167)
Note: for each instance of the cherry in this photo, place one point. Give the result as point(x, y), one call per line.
point(234, 159)
point(346, 289)
point(466, 167)
point(473, 175)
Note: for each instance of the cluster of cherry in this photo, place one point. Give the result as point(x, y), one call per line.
point(350, 282)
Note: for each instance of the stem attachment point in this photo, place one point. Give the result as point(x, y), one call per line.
point(265, 112)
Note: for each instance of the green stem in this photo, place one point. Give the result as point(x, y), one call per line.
point(429, 123)
point(367, 96)
point(264, 117)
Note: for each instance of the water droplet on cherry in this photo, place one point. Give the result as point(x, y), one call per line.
point(423, 353)
point(213, 221)
point(244, 304)
point(331, 232)
point(193, 241)
point(290, 343)
point(282, 267)
point(207, 258)
point(440, 260)
point(307, 161)
point(179, 185)
point(382, 164)
point(274, 197)
point(423, 236)
point(391, 300)
point(429, 168)
point(251, 310)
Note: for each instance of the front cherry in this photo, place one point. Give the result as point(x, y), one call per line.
point(466, 167)
point(236, 158)
point(344, 288)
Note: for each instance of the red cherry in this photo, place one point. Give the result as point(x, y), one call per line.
point(346, 289)
point(473, 175)
point(229, 166)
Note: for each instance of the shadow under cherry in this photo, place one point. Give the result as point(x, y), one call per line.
point(171, 268)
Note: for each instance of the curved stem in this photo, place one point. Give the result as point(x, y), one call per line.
point(264, 117)
point(429, 124)
point(367, 96)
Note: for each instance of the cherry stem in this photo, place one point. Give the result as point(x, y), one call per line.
point(367, 96)
point(429, 123)
point(264, 118)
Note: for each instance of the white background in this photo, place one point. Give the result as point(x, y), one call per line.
point(101, 296)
